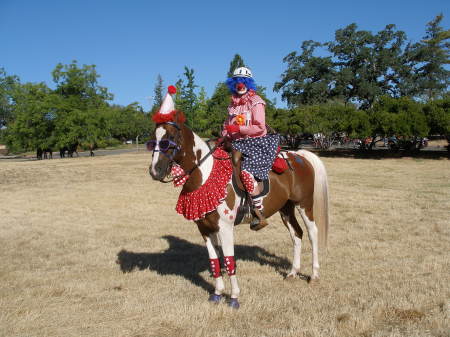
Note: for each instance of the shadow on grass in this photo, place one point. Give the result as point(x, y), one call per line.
point(188, 260)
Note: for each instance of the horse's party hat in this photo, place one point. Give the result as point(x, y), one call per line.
point(167, 110)
point(168, 105)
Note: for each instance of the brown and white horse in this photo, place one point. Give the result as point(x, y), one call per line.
point(304, 186)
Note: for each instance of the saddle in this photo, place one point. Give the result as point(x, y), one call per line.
point(245, 208)
point(246, 211)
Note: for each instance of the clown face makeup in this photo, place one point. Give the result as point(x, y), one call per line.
point(241, 89)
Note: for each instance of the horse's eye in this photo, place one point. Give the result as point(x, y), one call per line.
point(164, 145)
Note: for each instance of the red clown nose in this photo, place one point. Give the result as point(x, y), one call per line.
point(240, 86)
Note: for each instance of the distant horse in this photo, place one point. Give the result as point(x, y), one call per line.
point(92, 147)
point(71, 149)
point(303, 187)
point(44, 153)
point(62, 152)
point(48, 153)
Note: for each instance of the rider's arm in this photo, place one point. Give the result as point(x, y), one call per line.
point(258, 123)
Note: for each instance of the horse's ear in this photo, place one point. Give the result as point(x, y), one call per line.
point(179, 117)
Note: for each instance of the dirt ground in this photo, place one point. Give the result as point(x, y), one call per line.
point(65, 222)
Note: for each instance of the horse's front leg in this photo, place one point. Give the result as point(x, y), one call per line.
point(214, 264)
point(226, 237)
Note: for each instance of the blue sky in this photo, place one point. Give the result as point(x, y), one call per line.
point(131, 42)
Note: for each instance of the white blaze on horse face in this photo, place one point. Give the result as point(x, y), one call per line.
point(159, 133)
point(207, 165)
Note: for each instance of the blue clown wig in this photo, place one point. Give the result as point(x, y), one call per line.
point(248, 81)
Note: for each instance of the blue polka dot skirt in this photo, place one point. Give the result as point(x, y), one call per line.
point(258, 154)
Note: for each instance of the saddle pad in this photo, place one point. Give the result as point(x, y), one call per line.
point(242, 193)
point(244, 207)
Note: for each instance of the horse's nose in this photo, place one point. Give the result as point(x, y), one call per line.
point(156, 172)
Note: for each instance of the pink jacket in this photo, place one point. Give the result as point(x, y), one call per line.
point(251, 108)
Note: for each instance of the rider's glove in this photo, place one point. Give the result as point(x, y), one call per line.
point(232, 128)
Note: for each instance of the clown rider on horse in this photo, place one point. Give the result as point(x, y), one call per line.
point(247, 130)
point(208, 176)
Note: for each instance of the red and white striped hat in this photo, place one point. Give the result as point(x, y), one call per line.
point(167, 110)
point(168, 104)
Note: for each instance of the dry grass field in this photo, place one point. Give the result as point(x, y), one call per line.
point(64, 222)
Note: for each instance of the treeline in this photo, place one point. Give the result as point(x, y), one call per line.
point(361, 84)
point(368, 85)
point(76, 113)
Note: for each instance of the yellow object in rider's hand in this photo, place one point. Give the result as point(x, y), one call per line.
point(240, 119)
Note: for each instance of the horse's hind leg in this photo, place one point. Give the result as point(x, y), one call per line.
point(313, 238)
point(296, 232)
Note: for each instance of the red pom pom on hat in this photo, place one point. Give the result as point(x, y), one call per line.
point(172, 89)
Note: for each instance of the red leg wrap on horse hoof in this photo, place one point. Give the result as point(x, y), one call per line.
point(215, 267)
point(248, 181)
point(230, 265)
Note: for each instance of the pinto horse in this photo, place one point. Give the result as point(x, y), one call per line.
point(303, 187)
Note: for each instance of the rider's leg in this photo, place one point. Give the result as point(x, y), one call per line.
point(252, 187)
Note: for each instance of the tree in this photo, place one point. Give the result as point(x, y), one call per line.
point(279, 120)
point(437, 113)
point(80, 84)
point(359, 68)
point(78, 96)
point(402, 117)
point(433, 54)
point(158, 94)
point(217, 109)
point(367, 64)
point(235, 63)
point(8, 84)
point(201, 113)
point(308, 78)
point(33, 124)
point(331, 120)
point(186, 98)
point(128, 122)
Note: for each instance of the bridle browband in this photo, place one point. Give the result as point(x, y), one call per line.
point(178, 148)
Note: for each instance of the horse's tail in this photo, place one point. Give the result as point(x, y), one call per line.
point(320, 207)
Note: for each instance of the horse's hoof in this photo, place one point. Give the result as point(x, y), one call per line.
point(215, 298)
point(258, 224)
point(290, 277)
point(234, 303)
point(313, 281)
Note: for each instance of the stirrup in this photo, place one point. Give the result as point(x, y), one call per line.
point(259, 221)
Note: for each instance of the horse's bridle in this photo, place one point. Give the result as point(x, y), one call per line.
point(173, 154)
point(170, 156)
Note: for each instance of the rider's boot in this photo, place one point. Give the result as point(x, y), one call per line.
point(259, 221)
point(255, 204)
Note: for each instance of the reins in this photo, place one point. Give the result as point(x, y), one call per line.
point(201, 161)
